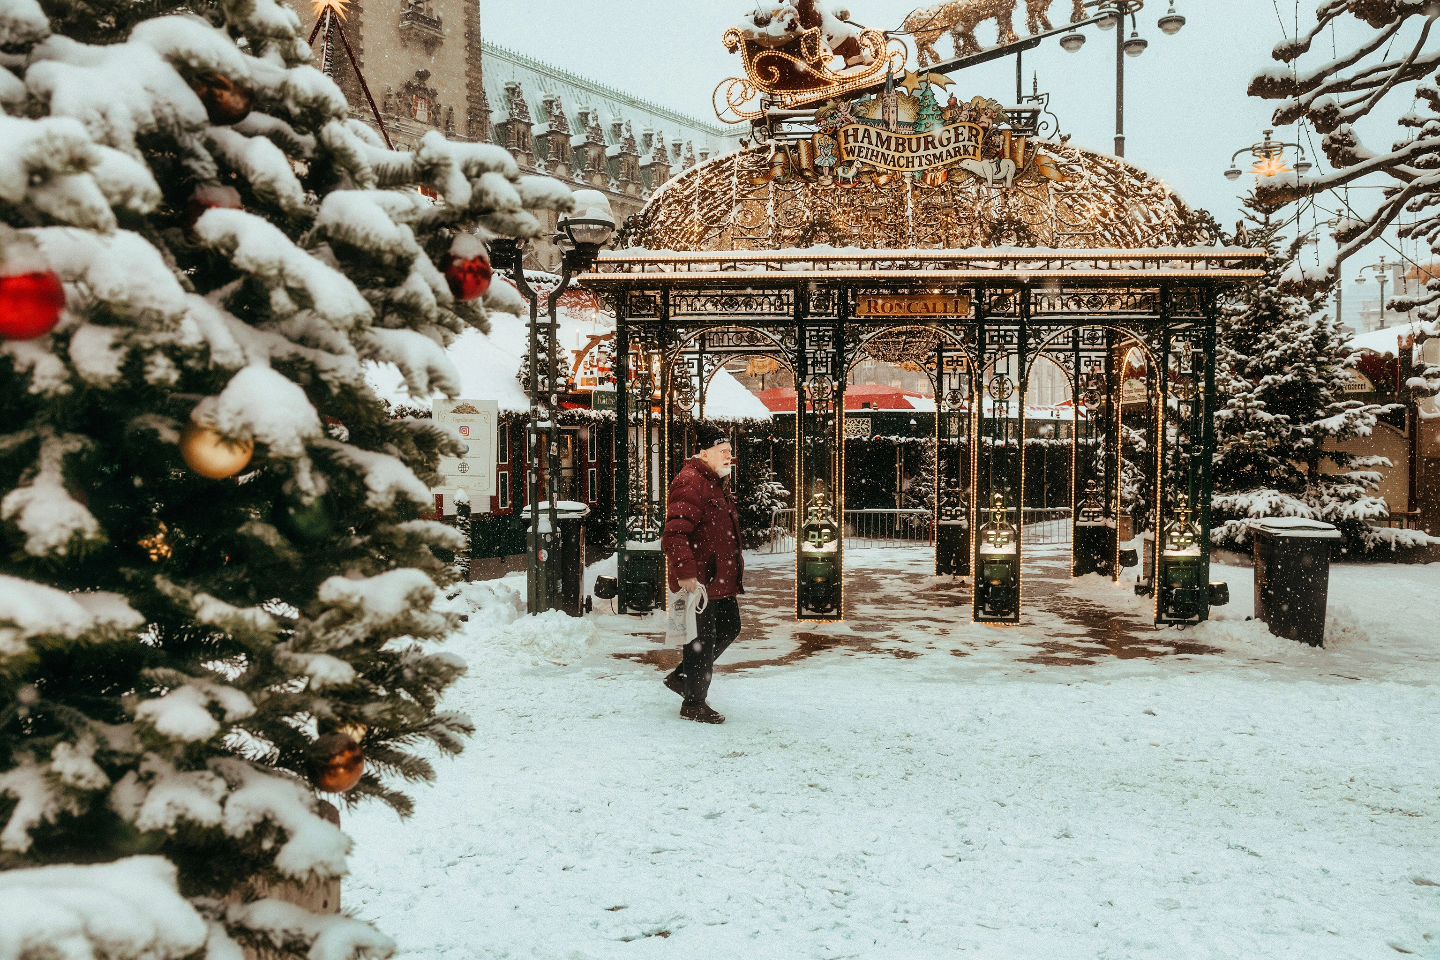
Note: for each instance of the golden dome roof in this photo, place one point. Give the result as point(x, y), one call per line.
point(732, 202)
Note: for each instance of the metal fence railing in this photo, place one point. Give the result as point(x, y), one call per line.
point(1046, 526)
point(866, 529)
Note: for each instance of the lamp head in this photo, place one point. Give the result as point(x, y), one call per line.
point(1233, 173)
point(592, 224)
point(1171, 23)
point(1072, 42)
point(1135, 45)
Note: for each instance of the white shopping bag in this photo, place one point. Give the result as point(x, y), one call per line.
point(680, 625)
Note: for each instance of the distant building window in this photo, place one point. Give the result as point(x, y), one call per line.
point(592, 484)
point(503, 446)
point(504, 489)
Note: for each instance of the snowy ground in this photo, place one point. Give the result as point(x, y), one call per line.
point(910, 785)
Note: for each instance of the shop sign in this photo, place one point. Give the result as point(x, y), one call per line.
point(917, 306)
point(474, 425)
point(1357, 382)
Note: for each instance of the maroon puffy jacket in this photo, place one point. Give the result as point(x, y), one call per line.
point(702, 532)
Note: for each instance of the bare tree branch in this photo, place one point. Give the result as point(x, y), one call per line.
point(1334, 96)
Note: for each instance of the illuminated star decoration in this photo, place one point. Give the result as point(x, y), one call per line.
point(913, 81)
point(1270, 166)
point(336, 5)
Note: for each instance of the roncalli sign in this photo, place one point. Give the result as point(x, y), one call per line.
point(915, 306)
point(473, 424)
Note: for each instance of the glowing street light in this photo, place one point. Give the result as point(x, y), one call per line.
point(1269, 159)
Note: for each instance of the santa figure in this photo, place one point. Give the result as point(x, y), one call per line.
point(841, 36)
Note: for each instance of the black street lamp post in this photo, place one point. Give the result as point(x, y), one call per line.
point(1382, 275)
point(1107, 15)
point(1269, 159)
point(1110, 15)
point(581, 236)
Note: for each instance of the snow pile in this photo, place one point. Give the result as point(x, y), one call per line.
point(1190, 804)
point(488, 602)
point(129, 908)
point(549, 637)
point(31, 609)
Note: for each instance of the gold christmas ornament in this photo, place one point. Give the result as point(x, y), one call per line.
point(226, 100)
point(336, 763)
point(213, 456)
point(157, 545)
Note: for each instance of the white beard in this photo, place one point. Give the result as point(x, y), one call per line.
point(724, 472)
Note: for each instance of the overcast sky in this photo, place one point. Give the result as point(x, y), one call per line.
point(1186, 108)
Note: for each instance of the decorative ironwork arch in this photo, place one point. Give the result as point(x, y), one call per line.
point(1046, 346)
point(921, 353)
point(736, 338)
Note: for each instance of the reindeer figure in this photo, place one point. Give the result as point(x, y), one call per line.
point(1038, 14)
point(960, 18)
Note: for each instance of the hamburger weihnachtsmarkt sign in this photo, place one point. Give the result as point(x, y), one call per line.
point(905, 131)
point(873, 119)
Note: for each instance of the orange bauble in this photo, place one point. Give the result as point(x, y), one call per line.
point(225, 101)
point(336, 763)
point(213, 456)
point(30, 305)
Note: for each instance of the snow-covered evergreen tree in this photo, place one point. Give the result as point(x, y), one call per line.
point(760, 496)
point(216, 571)
point(1280, 371)
point(1137, 492)
point(919, 489)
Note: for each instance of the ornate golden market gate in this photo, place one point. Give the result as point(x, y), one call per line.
point(876, 207)
point(1004, 310)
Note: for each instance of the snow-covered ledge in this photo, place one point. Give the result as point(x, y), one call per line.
point(983, 263)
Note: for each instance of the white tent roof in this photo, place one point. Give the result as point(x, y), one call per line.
point(727, 400)
point(1384, 340)
point(489, 362)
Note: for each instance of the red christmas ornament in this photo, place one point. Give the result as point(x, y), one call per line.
point(210, 198)
point(469, 277)
point(30, 305)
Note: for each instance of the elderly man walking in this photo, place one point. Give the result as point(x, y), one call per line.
point(702, 544)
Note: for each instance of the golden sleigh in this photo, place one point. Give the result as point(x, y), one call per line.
point(797, 72)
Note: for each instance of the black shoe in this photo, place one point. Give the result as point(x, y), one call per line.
point(675, 683)
point(700, 712)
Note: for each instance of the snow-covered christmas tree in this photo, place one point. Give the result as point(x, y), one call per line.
point(216, 567)
point(1280, 368)
point(760, 495)
point(918, 491)
point(928, 116)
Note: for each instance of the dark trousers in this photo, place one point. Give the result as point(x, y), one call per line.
point(716, 628)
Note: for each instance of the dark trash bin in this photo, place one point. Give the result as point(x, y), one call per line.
point(562, 561)
point(1292, 576)
point(641, 575)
